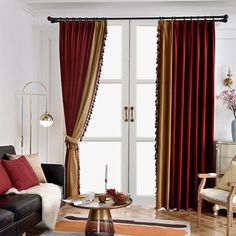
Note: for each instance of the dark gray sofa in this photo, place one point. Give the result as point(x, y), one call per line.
point(19, 212)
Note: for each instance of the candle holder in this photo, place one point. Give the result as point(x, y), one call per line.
point(105, 185)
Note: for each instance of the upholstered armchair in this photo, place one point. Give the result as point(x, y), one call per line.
point(224, 197)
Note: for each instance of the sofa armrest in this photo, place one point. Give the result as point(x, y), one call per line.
point(55, 173)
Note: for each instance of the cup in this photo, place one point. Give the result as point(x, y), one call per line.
point(90, 196)
point(102, 198)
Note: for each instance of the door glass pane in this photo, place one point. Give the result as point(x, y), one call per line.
point(93, 158)
point(145, 168)
point(146, 51)
point(145, 110)
point(106, 117)
point(112, 60)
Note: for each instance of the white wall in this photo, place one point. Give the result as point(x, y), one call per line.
point(225, 58)
point(16, 67)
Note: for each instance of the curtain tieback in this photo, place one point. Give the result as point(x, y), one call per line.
point(71, 143)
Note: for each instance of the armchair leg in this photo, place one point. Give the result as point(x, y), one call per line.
point(199, 211)
point(229, 221)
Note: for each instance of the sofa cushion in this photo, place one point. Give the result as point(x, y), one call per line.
point(35, 163)
point(5, 181)
point(20, 173)
point(21, 204)
point(6, 218)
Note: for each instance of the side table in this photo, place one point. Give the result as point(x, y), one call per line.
point(100, 221)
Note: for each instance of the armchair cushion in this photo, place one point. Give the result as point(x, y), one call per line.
point(230, 175)
point(214, 194)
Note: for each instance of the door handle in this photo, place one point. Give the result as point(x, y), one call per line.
point(132, 114)
point(126, 115)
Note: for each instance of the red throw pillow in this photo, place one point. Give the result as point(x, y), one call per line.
point(20, 173)
point(5, 182)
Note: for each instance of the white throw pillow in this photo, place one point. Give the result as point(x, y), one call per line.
point(35, 163)
point(230, 175)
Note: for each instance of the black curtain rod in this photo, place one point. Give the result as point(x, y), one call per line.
point(223, 18)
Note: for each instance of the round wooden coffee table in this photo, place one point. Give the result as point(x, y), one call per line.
point(99, 220)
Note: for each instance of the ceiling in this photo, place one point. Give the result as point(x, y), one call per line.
point(122, 7)
point(112, 1)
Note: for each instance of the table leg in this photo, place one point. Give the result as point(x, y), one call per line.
point(99, 223)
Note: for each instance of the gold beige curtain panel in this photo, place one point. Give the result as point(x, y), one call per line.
point(81, 53)
point(163, 104)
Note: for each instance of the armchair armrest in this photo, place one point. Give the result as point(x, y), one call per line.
point(55, 173)
point(210, 175)
point(232, 183)
point(203, 178)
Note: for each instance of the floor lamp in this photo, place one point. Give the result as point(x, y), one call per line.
point(45, 119)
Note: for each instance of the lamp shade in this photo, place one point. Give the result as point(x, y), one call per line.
point(46, 119)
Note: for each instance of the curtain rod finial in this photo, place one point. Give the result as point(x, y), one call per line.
point(225, 19)
point(51, 19)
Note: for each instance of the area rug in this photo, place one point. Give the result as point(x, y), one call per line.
point(74, 224)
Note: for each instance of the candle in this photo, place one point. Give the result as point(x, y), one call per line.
point(106, 169)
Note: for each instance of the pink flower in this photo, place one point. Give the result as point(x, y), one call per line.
point(229, 99)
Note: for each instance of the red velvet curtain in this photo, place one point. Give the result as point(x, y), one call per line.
point(75, 44)
point(192, 134)
point(81, 52)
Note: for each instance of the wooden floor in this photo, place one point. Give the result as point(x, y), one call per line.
point(210, 225)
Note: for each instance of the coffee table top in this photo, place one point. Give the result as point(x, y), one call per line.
point(95, 204)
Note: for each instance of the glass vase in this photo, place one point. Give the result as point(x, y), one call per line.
point(233, 129)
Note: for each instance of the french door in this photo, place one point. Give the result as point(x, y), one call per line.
point(122, 126)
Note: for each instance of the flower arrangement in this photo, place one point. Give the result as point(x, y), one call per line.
point(118, 197)
point(229, 99)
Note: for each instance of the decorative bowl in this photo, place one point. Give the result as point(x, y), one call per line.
point(121, 198)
